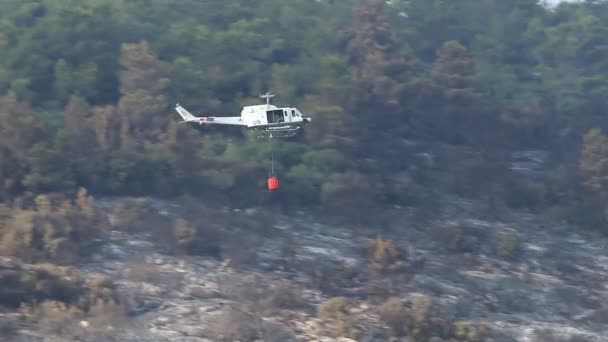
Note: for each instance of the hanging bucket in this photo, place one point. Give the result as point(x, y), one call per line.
point(273, 183)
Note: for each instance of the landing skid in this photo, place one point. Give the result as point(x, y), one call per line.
point(278, 132)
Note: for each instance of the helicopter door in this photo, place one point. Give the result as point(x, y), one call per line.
point(275, 116)
point(287, 115)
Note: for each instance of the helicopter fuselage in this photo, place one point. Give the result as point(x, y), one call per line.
point(269, 115)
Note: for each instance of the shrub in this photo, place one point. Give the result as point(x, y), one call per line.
point(386, 257)
point(452, 237)
point(509, 245)
point(466, 331)
point(186, 237)
point(184, 234)
point(394, 315)
point(55, 232)
point(284, 296)
point(36, 283)
point(334, 308)
point(337, 319)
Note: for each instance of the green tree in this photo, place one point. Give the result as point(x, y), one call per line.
point(571, 56)
point(20, 132)
point(383, 69)
point(458, 103)
point(143, 83)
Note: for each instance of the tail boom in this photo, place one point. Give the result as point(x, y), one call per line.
point(203, 120)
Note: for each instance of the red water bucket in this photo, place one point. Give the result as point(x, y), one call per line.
point(273, 183)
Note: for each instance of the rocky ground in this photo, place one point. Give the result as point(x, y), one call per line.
point(547, 279)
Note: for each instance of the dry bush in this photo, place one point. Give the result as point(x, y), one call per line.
point(58, 295)
point(192, 238)
point(277, 332)
point(284, 296)
point(394, 314)
point(131, 214)
point(262, 298)
point(508, 245)
point(526, 194)
point(465, 331)
point(385, 257)
point(425, 321)
point(142, 271)
point(250, 293)
point(420, 316)
point(235, 325)
point(451, 236)
point(457, 238)
point(184, 234)
point(72, 307)
point(53, 318)
point(240, 324)
point(241, 289)
point(37, 283)
point(107, 317)
point(59, 231)
point(338, 322)
point(334, 308)
point(422, 321)
point(331, 278)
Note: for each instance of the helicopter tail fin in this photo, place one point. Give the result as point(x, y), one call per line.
point(186, 116)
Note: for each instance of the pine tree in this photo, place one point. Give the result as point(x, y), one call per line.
point(457, 99)
point(383, 67)
point(143, 84)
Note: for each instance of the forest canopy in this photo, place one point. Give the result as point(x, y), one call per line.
point(88, 90)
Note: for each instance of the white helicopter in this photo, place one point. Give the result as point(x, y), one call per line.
point(269, 120)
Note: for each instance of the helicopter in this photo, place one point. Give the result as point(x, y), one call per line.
point(268, 120)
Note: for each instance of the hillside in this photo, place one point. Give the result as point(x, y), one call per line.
point(188, 270)
point(451, 186)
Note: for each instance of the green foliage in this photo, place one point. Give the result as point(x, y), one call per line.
point(571, 53)
point(88, 89)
